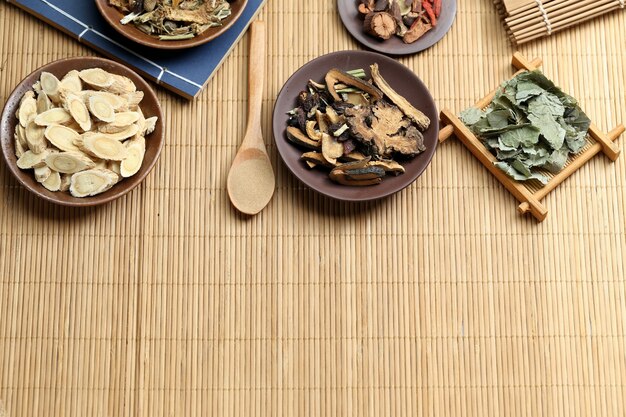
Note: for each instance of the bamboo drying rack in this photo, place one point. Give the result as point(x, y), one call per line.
point(529, 197)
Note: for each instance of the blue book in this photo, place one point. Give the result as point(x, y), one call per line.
point(184, 71)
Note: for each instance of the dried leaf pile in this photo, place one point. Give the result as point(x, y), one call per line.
point(408, 19)
point(83, 133)
point(173, 19)
point(356, 128)
point(530, 126)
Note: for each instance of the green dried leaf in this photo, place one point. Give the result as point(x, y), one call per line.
point(522, 136)
point(550, 129)
point(471, 116)
point(517, 176)
point(527, 90)
point(546, 104)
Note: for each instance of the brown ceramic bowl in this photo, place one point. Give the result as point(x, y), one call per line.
point(395, 46)
point(400, 78)
point(149, 105)
point(113, 16)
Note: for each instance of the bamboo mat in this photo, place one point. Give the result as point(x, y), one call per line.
point(438, 301)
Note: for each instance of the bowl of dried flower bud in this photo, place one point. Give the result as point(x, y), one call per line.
point(397, 27)
point(171, 24)
point(81, 131)
point(355, 125)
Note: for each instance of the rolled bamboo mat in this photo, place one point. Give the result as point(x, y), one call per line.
point(438, 301)
point(526, 20)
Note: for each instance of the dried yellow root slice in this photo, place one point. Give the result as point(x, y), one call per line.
point(124, 119)
point(32, 160)
point(42, 173)
point(71, 82)
point(62, 137)
point(55, 116)
point(35, 137)
point(19, 148)
point(136, 151)
point(115, 101)
point(64, 181)
point(28, 108)
point(104, 147)
point(150, 125)
point(101, 109)
point(69, 162)
point(115, 166)
point(132, 99)
point(53, 182)
point(122, 134)
point(97, 77)
point(43, 102)
point(20, 136)
point(121, 85)
point(49, 84)
point(77, 108)
point(92, 182)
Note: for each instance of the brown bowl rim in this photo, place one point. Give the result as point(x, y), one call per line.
point(113, 16)
point(8, 121)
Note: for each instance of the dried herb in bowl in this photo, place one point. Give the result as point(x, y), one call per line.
point(358, 129)
point(531, 126)
point(408, 19)
point(173, 19)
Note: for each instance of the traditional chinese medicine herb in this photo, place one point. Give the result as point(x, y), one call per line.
point(530, 126)
point(356, 128)
point(173, 19)
point(408, 19)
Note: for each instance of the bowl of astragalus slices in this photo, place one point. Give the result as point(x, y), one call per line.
point(171, 24)
point(81, 131)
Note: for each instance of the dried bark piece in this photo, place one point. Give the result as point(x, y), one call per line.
point(416, 31)
point(336, 75)
point(331, 148)
point(296, 136)
point(422, 121)
point(92, 182)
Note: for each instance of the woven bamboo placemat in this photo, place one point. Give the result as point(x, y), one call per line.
point(438, 301)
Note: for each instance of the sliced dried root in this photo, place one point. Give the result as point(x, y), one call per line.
point(78, 110)
point(29, 160)
point(42, 173)
point(69, 162)
point(104, 147)
point(101, 109)
point(71, 82)
point(124, 119)
point(55, 116)
point(121, 85)
point(331, 148)
point(62, 137)
point(28, 109)
point(97, 77)
point(19, 149)
point(20, 136)
point(65, 179)
point(43, 102)
point(35, 137)
point(117, 102)
point(53, 182)
point(92, 182)
point(136, 151)
point(49, 84)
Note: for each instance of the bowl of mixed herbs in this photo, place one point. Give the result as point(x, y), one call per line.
point(171, 24)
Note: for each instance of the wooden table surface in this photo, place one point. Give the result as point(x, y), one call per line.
point(438, 301)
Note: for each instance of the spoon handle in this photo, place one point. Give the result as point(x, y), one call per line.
point(256, 74)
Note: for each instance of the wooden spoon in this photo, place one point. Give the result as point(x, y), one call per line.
point(251, 179)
